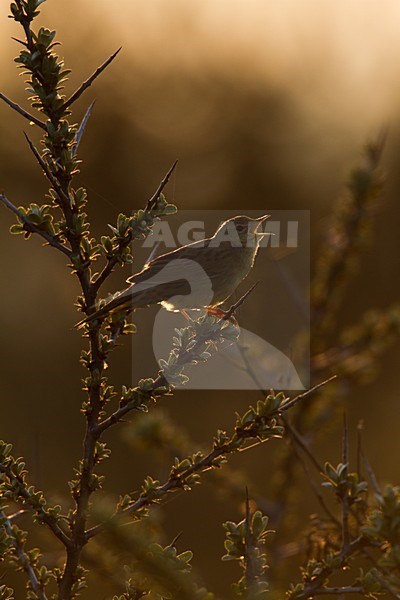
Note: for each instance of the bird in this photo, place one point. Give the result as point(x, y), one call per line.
point(199, 275)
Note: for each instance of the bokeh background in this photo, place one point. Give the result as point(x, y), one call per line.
point(267, 106)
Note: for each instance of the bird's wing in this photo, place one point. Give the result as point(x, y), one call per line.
point(191, 252)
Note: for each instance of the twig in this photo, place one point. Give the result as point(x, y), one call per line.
point(161, 380)
point(345, 236)
point(176, 538)
point(314, 589)
point(333, 591)
point(372, 477)
point(118, 414)
point(175, 482)
point(386, 585)
point(150, 203)
point(52, 178)
point(180, 583)
point(112, 262)
point(315, 489)
point(32, 228)
point(170, 485)
point(249, 547)
point(299, 440)
point(303, 395)
point(296, 438)
point(25, 24)
point(380, 575)
point(60, 181)
point(87, 83)
point(41, 512)
point(247, 543)
point(231, 311)
point(16, 515)
point(376, 148)
point(23, 112)
point(81, 129)
point(359, 450)
point(152, 253)
point(19, 41)
point(345, 495)
point(24, 559)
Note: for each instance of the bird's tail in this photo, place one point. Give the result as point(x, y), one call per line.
point(117, 303)
point(138, 295)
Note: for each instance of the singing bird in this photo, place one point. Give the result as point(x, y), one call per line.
point(202, 274)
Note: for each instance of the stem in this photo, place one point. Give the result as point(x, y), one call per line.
point(22, 112)
point(332, 591)
point(112, 262)
point(41, 512)
point(72, 99)
point(345, 496)
point(24, 560)
point(313, 589)
point(29, 226)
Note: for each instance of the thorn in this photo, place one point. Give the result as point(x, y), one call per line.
point(88, 82)
point(23, 112)
point(164, 181)
point(235, 306)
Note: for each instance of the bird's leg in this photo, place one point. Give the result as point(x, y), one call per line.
point(213, 311)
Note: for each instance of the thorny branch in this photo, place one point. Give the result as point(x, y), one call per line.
point(113, 261)
point(23, 559)
point(23, 112)
point(41, 511)
point(150, 203)
point(200, 466)
point(345, 496)
point(87, 83)
point(32, 228)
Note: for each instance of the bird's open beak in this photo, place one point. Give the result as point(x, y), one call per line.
point(257, 224)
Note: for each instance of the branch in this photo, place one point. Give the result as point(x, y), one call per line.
point(344, 239)
point(299, 440)
point(58, 148)
point(184, 358)
point(171, 485)
point(386, 585)
point(112, 262)
point(23, 112)
point(313, 589)
point(24, 559)
point(295, 439)
point(161, 381)
point(231, 311)
point(29, 226)
point(79, 133)
point(43, 515)
point(372, 477)
point(118, 414)
point(303, 395)
point(53, 180)
point(87, 83)
point(250, 574)
point(332, 591)
point(261, 427)
point(345, 496)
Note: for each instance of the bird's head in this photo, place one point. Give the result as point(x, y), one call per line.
point(242, 229)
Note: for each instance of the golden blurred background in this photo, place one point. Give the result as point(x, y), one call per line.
point(266, 105)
